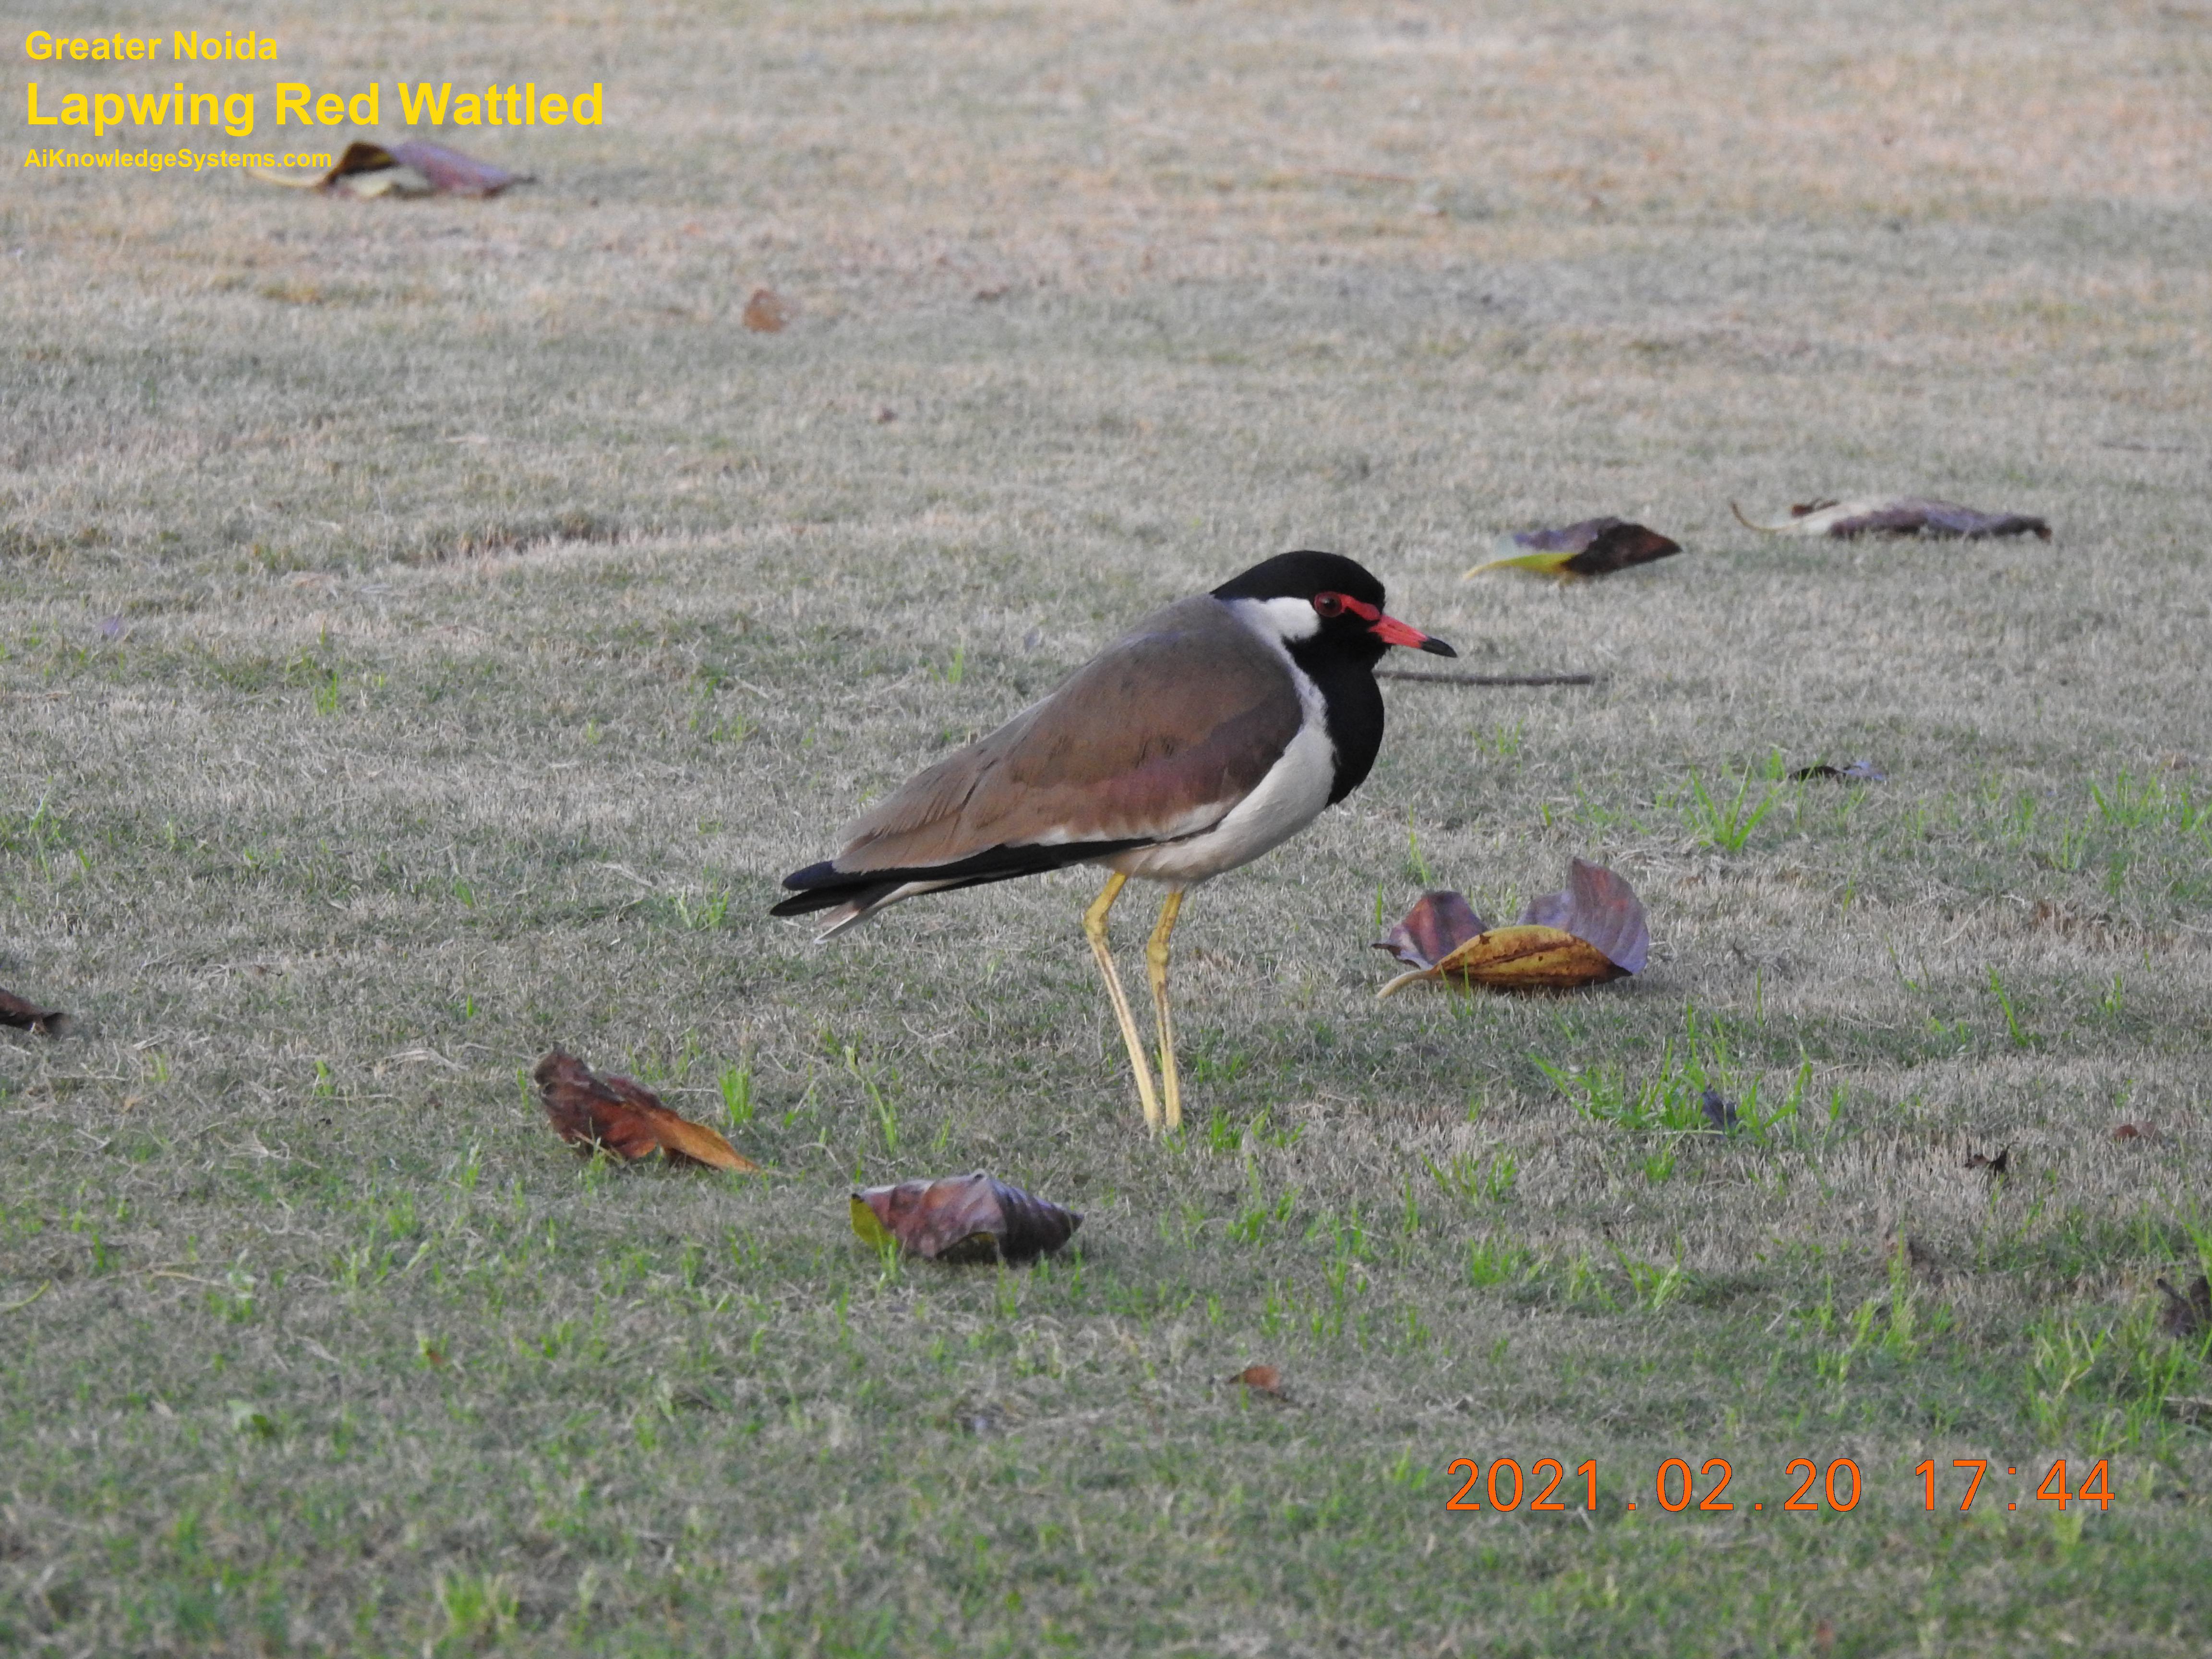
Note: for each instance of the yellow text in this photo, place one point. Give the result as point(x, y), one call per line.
point(293, 102)
point(423, 105)
point(232, 112)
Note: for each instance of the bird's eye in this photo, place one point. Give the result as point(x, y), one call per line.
point(1329, 604)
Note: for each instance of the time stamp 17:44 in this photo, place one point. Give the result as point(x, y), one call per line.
point(1548, 1485)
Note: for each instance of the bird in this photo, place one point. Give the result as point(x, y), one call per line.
point(1211, 732)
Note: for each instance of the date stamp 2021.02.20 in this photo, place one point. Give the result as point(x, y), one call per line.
point(1548, 1485)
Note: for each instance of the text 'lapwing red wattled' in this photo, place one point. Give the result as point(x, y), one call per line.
point(1214, 730)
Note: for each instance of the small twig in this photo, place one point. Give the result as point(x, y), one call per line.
point(18, 1306)
point(1487, 679)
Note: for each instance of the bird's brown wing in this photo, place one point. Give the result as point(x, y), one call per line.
point(1156, 736)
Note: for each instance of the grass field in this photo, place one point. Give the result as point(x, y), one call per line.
point(428, 630)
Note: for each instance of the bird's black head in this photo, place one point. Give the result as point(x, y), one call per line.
point(1326, 599)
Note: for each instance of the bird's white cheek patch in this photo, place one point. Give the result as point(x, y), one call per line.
point(1286, 620)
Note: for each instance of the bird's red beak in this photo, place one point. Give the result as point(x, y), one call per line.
point(1391, 631)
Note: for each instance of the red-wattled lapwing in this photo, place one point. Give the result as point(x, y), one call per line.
point(1213, 730)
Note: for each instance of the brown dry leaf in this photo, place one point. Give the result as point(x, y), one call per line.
point(767, 311)
point(2187, 1316)
point(1897, 515)
point(589, 1111)
point(1522, 958)
point(1592, 932)
point(28, 1017)
point(1262, 1379)
point(415, 168)
point(365, 169)
point(1439, 923)
point(451, 173)
point(1599, 907)
point(1595, 547)
point(971, 1218)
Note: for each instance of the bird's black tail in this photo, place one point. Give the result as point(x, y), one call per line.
point(824, 886)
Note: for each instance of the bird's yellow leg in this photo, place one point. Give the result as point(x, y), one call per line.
point(1094, 925)
point(1156, 963)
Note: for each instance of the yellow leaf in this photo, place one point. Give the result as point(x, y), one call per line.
point(871, 1230)
point(1544, 564)
point(1520, 959)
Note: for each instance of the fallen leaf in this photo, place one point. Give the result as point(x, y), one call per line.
point(1859, 771)
point(451, 173)
point(1595, 547)
point(971, 1218)
point(1520, 959)
point(766, 313)
point(1997, 1167)
point(2187, 1316)
point(589, 1111)
point(1720, 1114)
point(1439, 923)
point(1262, 1379)
point(1592, 931)
point(26, 1017)
point(1897, 515)
point(415, 168)
point(1599, 907)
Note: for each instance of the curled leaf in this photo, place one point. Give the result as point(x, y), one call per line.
point(28, 1017)
point(1520, 959)
point(1595, 547)
point(1592, 932)
point(1438, 924)
point(589, 1111)
point(451, 173)
point(1599, 907)
point(971, 1218)
point(1897, 515)
point(415, 168)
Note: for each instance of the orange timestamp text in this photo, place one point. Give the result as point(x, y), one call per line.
point(1502, 1485)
